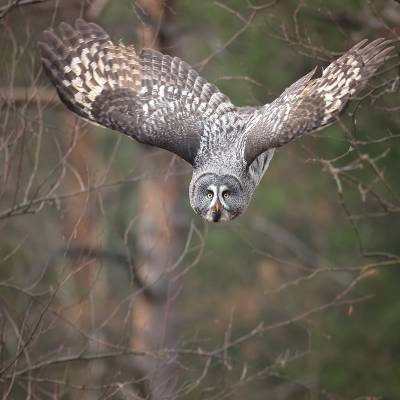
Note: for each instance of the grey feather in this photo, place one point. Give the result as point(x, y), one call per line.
point(156, 99)
point(161, 101)
point(309, 103)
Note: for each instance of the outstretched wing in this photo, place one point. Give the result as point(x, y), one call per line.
point(312, 103)
point(157, 99)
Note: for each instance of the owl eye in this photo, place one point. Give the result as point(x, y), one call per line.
point(210, 194)
point(225, 194)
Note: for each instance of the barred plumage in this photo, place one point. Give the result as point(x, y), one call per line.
point(161, 101)
point(310, 104)
point(157, 99)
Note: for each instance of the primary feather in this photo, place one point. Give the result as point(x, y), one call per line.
point(157, 99)
point(309, 103)
point(161, 101)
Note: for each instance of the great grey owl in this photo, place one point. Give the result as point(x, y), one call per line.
point(161, 101)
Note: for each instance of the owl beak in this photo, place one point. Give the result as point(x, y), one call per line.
point(216, 211)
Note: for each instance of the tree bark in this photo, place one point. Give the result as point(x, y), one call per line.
point(154, 318)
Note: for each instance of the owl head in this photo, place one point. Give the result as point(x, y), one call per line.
point(218, 198)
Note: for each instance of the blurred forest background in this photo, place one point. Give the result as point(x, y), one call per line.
point(110, 286)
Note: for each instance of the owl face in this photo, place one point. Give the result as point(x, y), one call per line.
point(218, 198)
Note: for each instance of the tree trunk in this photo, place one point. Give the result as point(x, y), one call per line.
point(154, 317)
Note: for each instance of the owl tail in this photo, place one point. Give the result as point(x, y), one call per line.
point(83, 62)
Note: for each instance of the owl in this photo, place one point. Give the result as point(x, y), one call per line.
point(162, 101)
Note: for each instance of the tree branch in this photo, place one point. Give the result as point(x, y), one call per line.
point(17, 3)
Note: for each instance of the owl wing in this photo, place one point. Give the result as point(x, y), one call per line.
point(156, 99)
point(310, 103)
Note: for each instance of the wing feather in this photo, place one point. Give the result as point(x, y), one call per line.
point(310, 104)
point(157, 99)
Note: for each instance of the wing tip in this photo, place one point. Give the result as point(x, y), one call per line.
point(378, 48)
